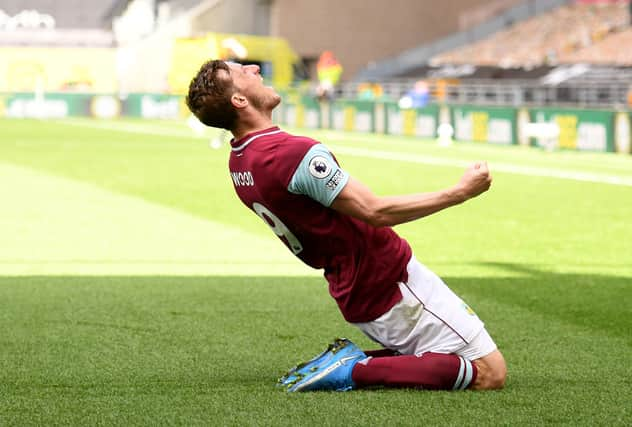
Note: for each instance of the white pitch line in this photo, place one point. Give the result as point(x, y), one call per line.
point(573, 175)
point(501, 167)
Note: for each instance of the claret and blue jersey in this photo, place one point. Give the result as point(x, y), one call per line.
point(290, 182)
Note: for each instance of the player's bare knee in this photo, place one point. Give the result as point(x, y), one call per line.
point(492, 372)
point(496, 378)
point(490, 379)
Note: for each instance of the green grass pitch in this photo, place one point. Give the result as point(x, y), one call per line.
point(135, 289)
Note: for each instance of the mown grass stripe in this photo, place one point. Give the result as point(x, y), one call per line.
point(56, 225)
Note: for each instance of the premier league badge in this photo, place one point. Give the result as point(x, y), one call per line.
point(319, 167)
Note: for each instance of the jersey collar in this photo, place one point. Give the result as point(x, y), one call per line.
point(241, 143)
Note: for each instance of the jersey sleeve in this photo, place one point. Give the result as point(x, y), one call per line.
point(318, 176)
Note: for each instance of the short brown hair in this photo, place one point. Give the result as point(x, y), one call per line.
point(209, 96)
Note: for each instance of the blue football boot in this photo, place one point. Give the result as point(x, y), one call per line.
point(302, 369)
point(330, 370)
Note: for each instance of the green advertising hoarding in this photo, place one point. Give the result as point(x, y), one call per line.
point(352, 116)
point(579, 129)
point(154, 106)
point(60, 105)
point(420, 122)
point(301, 111)
point(586, 130)
point(496, 125)
point(50, 105)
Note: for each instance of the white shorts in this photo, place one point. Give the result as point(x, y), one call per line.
point(430, 317)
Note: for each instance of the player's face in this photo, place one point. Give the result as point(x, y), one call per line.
point(247, 79)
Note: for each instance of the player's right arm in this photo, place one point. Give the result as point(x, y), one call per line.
point(358, 201)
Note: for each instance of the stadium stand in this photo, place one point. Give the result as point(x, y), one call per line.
point(573, 33)
point(408, 60)
point(571, 54)
point(605, 51)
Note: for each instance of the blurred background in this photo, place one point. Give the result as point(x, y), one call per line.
point(491, 70)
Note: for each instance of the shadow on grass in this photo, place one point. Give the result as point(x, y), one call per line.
point(594, 301)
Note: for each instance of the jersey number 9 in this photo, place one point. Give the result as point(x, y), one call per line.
point(278, 227)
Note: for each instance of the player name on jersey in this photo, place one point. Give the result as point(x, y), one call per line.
point(243, 179)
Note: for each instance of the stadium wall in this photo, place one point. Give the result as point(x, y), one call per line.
point(326, 25)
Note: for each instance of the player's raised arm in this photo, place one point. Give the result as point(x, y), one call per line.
point(358, 200)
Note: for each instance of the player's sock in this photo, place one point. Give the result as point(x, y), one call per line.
point(431, 371)
point(383, 352)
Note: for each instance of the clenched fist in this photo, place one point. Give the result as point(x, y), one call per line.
point(475, 180)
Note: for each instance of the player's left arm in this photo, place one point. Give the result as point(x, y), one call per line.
point(358, 201)
point(319, 177)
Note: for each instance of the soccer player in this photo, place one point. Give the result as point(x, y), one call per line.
point(430, 338)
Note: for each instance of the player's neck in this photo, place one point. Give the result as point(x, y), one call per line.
point(255, 124)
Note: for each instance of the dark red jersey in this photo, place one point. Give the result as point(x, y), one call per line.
point(290, 181)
